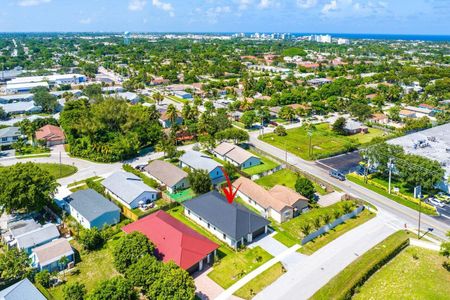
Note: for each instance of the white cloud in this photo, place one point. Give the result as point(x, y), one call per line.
point(86, 21)
point(263, 4)
point(243, 4)
point(162, 5)
point(214, 13)
point(329, 7)
point(32, 2)
point(137, 5)
point(306, 3)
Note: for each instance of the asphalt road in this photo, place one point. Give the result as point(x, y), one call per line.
point(407, 215)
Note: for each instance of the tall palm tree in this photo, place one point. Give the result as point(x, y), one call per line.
point(172, 114)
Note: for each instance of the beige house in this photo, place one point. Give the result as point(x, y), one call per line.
point(279, 203)
point(169, 176)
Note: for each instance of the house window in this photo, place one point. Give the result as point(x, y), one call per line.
point(189, 212)
point(200, 218)
point(224, 236)
point(209, 225)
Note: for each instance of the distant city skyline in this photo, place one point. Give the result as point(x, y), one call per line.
point(424, 17)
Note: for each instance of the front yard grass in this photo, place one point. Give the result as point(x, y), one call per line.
point(266, 165)
point(314, 245)
point(231, 268)
point(325, 142)
point(90, 268)
point(427, 209)
point(57, 170)
point(415, 273)
point(261, 281)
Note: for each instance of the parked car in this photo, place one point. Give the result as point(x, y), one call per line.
point(443, 197)
point(273, 123)
point(337, 175)
point(435, 202)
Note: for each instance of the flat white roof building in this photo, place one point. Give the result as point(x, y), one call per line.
point(52, 79)
point(24, 87)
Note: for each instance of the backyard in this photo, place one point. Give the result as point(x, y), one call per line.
point(91, 267)
point(414, 273)
point(325, 142)
point(287, 178)
point(182, 196)
point(266, 165)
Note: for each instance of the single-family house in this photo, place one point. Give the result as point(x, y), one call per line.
point(51, 134)
point(169, 176)
point(406, 113)
point(15, 108)
point(48, 256)
point(183, 95)
point(379, 118)
point(195, 160)
point(175, 241)
point(133, 98)
point(91, 209)
point(236, 155)
point(231, 223)
point(21, 290)
point(354, 127)
point(27, 234)
point(9, 135)
point(129, 189)
point(279, 203)
point(166, 122)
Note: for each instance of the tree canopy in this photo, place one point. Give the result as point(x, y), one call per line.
point(200, 181)
point(129, 249)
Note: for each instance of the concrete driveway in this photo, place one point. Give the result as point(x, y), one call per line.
point(206, 288)
point(269, 244)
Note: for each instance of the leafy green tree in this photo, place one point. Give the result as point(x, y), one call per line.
point(25, 187)
point(74, 291)
point(248, 118)
point(280, 130)
point(158, 97)
point(305, 187)
point(44, 99)
point(418, 170)
point(200, 181)
point(378, 155)
point(235, 134)
point(3, 114)
point(361, 111)
point(129, 249)
point(117, 288)
point(90, 239)
point(412, 125)
point(174, 283)
point(339, 126)
point(394, 113)
point(145, 272)
point(287, 113)
point(14, 265)
point(19, 145)
point(92, 90)
point(43, 278)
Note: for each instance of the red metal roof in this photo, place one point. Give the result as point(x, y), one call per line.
point(173, 240)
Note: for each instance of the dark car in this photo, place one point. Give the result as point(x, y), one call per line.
point(337, 175)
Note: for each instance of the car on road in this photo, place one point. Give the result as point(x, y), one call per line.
point(443, 197)
point(435, 202)
point(338, 175)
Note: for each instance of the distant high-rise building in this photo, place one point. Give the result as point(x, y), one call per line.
point(126, 38)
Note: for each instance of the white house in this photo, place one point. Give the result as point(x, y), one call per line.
point(129, 189)
point(9, 135)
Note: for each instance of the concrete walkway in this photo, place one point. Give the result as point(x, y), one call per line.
point(424, 244)
point(228, 293)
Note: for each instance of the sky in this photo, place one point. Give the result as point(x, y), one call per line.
point(321, 16)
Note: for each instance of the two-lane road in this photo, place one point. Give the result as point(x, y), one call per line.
point(407, 215)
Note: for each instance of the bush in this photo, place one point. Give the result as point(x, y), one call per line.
point(346, 283)
point(200, 181)
point(115, 288)
point(74, 291)
point(91, 239)
point(280, 131)
point(305, 187)
point(43, 278)
point(129, 249)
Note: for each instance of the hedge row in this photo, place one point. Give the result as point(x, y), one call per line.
point(345, 284)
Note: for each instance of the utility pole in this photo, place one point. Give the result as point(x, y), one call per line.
point(285, 151)
point(418, 195)
point(60, 165)
point(310, 141)
point(390, 165)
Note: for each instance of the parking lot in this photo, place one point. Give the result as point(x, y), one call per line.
point(344, 163)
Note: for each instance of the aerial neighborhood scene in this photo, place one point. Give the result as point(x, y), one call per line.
point(227, 149)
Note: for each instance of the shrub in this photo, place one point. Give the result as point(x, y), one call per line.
point(129, 249)
point(91, 239)
point(280, 131)
point(74, 291)
point(43, 278)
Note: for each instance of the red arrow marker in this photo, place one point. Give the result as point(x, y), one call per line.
point(228, 191)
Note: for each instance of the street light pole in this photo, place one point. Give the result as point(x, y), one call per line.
point(310, 141)
point(390, 173)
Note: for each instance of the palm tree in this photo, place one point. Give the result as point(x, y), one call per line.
point(326, 218)
point(172, 114)
point(158, 97)
point(318, 222)
point(63, 261)
point(306, 229)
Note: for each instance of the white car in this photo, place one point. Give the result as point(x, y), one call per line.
point(436, 202)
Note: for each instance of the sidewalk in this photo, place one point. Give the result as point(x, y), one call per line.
point(243, 281)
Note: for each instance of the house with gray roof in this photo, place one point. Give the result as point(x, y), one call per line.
point(172, 178)
point(91, 209)
point(21, 107)
point(48, 256)
point(129, 189)
point(16, 98)
point(232, 223)
point(21, 290)
point(236, 155)
point(9, 135)
point(133, 98)
point(195, 160)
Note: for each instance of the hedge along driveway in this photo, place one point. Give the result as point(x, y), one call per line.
point(343, 285)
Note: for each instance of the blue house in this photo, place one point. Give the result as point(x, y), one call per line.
point(183, 95)
point(91, 209)
point(195, 160)
point(36, 237)
point(48, 257)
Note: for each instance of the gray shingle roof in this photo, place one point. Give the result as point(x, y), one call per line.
point(126, 185)
point(90, 204)
point(9, 132)
point(199, 161)
point(233, 219)
point(165, 172)
point(21, 290)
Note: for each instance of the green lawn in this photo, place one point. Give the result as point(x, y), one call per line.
point(56, 171)
point(261, 281)
point(342, 285)
point(266, 165)
point(83, 181)
point(33, 155)
point(92, 268)
point(314, 245)
point(325, 142)
point(178, 99)
point(406, 277)
point(34, 151)
point(287, 178)
point(290, 232)
point(427, 209)
point(182, 196)
point(231, 268)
